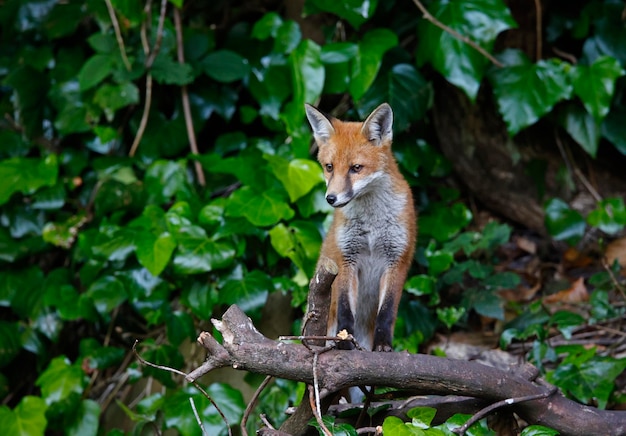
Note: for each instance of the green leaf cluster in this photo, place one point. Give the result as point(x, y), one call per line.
point(99, 247)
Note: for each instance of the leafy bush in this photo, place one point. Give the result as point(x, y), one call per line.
point(112, 229)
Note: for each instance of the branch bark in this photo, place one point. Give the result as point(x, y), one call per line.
point(246, 349)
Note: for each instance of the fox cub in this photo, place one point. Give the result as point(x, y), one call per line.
point(372, 236)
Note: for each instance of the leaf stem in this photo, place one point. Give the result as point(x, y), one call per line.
point(118, 34)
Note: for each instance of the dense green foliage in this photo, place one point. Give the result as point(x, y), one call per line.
point(100, 245)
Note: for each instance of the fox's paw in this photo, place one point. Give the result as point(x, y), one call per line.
point(383, 348)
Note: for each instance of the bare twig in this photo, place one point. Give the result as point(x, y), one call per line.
point(428, 16)
point(617, 284)
point(185, 98)
point(118, 34)
point(159, 36)
point(569, 162)
point(376, 430)
point(507, 402)
point(195, 413)
point(197, 386)
point(252, 404)
point(538, 29)
point(317, 413)
point(144, 117)
point(565, 55)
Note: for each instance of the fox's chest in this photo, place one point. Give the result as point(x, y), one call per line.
point(374, 231)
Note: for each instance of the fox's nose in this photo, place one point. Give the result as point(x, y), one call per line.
point(331, 199)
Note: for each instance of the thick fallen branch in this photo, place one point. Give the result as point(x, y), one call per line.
point(246, 349)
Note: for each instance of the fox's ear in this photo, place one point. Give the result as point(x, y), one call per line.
point(321, 125)
point(378, 127)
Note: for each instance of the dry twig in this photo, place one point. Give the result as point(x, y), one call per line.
point(185, 97)
point(252, 404)
point(118, 34)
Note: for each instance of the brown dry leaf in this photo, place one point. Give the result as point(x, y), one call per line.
point(616, 250)
point(577, 293)
point(520, 294)
point(526, 245)
point(574, 258)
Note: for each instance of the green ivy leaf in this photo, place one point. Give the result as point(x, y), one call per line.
point(298, 176)
point(299, 242)
point(450, 315)
point(267, 26)
point(538, 430)
point(614, 129)
point(225, 66)
point(395, 426)
point(582, 127)
point(261, 209)
point(107, 293)
point(84, 420)
point(405, 89)
point(562, 222)
point(365, 65)
point(595, 85)
point(520, 108)
point(28, 418)
point(588, 378)
point(445, 222)
point(154, 252)
point(355, 12)
point(197, 253)
point(113, 97)
point(458, 62)
point(422, 417)
point(248, 292)
point(288, 36)
point(421, 284)
point(308, 73)
point(94, 71)
point(26, 175)
point(60, 379)
point(166, 70)
point(609, 215)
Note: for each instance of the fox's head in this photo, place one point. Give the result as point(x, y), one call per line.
point(354, 155)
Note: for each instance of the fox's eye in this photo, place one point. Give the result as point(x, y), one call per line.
point(329, 167)
point(356, 168)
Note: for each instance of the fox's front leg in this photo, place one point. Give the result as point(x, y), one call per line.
point(390, 292)
point(347, 288)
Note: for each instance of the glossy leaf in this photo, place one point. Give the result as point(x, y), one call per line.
point(562, 222)
point(95, 70)
point(365, 65)
point(520, 108)
point(614, 129)
point(26, 175)
point(609, 215)
point(307, 72)
point(355, 12)
point(405, 89)
point(261, 209)
point(27, 419)
point(462, 65)
point(84, 420)
point(113, 97)
point(595, 84)
point(298, 176)
point(60, 379)
point(154, 252)
point(582, 127)
point(225, 66)
point(107, 293)
point(196, 253)
point(538, 430)
point(248, 292)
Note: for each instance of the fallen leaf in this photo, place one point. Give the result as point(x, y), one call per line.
point(575, 259)
point(577, 293)
point(616, 250)
point(526, 245)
